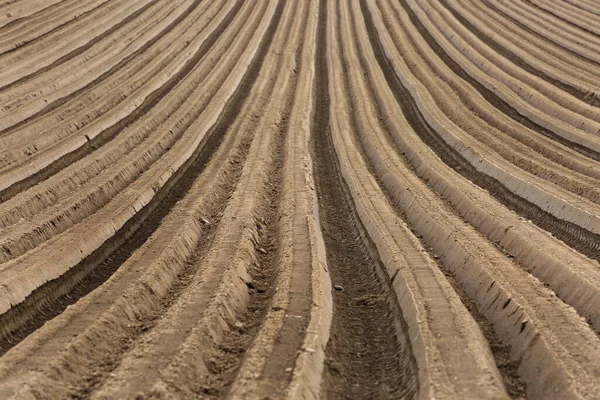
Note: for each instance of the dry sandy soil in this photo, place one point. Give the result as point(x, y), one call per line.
point(302, 199)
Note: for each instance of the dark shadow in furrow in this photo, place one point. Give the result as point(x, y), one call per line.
point(575, 236)
point(78, 50)
point(365, 356)
point(225, 361)
point(278, 369)
point(52, 298)
point(501, 13)
point(507, 366)
point(96, 82)
point(578, 238)
point(544, 11)
point(110, 133)
point(490, 96)
point(49, 9)
point(577, 5)
point(489, 40)
point(19, 45)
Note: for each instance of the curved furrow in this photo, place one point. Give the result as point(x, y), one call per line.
point(13, 12)
point(478, 118)
point(26, 24)
point(299, 199)
point(104, 231)
point(423, 293)
point(571, 15)
point(22, 140)
point(581, 66)
point(475, 119)
point(66, 42)
point(585, 5)
point(563, 37)
point(150, 276)
point(21, 104)
point(48, 192)
point(110, 346)
point(576, 286)
point(490, 95)
point(568, 29)
point(228, 158)
point(537, 57)
point(553, 200)
point(531, 96)
point(286, 358)
point(217, 317)
point(110, 124)
point(106, 92)
point(84, 68)
point(148, 140)
point(519, 307)
point(515, 128)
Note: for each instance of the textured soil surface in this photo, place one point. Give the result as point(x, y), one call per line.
point(277, 199)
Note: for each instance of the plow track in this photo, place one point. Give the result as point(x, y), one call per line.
point(274, 199)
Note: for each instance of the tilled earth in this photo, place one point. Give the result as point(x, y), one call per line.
point(301, 199)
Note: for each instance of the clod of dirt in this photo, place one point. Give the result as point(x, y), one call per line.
point(369, 299)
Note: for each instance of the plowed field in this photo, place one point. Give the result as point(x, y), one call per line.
point(301, 199)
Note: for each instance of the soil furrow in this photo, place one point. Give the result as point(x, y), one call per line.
point(141, 226)
point(102, 263)
point(501, 352)
point(109, 134)
point(476, 123)
point(491, 97)
point(580, 239)
point(27, 14)
point(40, 54)
point(273, 199)
point(55, 29)
point(525, 65)
point(561, 17)
point(103, 77)
point(157, 138)
point(571, 52)
point(584, 6)
point(543, 47)
point(585, 47)
point(287, 344)
point(215, 301)
point(548, 259)
point(231, 115)
point(149, 309)
point(42, 14)
point(275, 365)
point(488, 276)
point(134, 77)
point(126, 71)
point(203, 204)
point(364, 357)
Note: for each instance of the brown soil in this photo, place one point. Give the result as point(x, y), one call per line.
point(200, 200)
